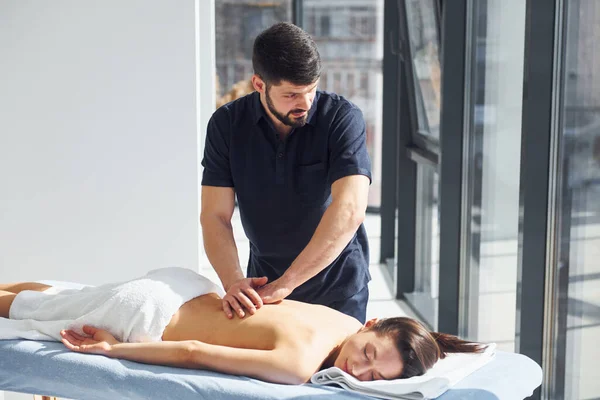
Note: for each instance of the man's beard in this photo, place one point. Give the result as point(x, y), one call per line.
point(286, 119)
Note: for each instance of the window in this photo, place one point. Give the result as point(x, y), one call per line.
point(577, 270)
point(350, 41)
point(237, 24)
point(493, 168)
point(422, 29)
point(325, 25)
point(337, 82)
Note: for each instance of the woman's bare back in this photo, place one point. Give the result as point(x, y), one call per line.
point(285, 324)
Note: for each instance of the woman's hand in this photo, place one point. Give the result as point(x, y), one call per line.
point(99, 342)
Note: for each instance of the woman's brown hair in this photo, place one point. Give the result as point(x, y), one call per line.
point(419, 348)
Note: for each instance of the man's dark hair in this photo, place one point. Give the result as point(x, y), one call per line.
point(284, 52)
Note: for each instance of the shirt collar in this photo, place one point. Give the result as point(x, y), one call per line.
point(259, 111)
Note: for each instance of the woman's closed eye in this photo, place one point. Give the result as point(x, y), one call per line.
point(367, 357)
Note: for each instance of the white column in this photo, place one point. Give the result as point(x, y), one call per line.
point(205, 86)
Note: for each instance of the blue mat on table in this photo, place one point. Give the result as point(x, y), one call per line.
point(48, 368)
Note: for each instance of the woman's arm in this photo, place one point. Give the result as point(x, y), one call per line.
point(278, 365)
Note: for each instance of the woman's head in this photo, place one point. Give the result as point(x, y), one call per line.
point(396, 348)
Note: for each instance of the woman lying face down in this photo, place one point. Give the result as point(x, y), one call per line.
point(283, 343)
point(399, 347)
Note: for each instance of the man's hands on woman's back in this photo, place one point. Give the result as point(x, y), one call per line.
point(242, 297)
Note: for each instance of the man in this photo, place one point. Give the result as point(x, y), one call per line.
point(296, 159)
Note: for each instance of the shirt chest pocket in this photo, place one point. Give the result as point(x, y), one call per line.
point(311, 183)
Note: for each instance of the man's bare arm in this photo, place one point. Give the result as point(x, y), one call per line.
point(215, 217)
point(337, 227)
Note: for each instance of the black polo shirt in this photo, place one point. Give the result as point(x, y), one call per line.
point(284, 187)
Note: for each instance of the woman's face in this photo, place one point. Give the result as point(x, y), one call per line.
point(368, 357)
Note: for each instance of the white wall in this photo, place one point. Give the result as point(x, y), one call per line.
point(206, 92)
point(98, 139)
point(103, 107)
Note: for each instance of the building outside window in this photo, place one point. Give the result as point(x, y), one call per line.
point(237, 23)
point(349, 36)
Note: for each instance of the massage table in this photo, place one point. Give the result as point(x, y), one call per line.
point(50, 369)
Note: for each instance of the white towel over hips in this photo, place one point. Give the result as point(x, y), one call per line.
point(134, 311)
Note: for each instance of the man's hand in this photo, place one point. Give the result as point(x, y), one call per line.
point(242, 295)
point(99, 342)
point(275, 291)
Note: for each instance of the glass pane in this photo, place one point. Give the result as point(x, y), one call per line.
point(349, 36)
point(578, 271)
point(424, 39)
point(425, 296)
point(493, 168)
point(237, 23)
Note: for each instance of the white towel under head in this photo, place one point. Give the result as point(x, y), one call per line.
point(134, 311)
point(441, 377)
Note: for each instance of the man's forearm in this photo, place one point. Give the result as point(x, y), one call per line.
point(221, 250)
point(337, 227)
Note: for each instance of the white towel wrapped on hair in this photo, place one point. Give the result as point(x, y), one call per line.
point(441, 377)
